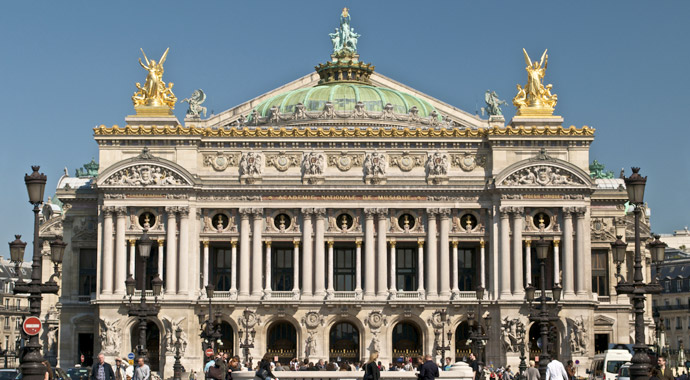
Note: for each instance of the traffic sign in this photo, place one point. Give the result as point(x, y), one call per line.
point(209, 352)
point(130, 356)
point(31, 326)
point(82, 358)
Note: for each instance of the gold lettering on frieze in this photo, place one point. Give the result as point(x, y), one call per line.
point(145, 196)
point(543, 196)
point(345, 197)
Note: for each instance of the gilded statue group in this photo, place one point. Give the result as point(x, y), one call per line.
point(155, 92)
point(535, 94)
point(344, 39)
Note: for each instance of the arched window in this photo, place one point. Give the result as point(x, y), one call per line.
point(153, 343)
point(462, 347)
point(535, 344)
point(226, 339)
point(344, 343)
point(407, 341)
point(282, 341)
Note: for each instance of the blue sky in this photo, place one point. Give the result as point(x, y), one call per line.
point(621, 67)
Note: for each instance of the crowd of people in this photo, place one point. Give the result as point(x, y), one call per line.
point(121, 371)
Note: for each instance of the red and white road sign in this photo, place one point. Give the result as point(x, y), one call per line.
point(32, 326)
point(209, 352)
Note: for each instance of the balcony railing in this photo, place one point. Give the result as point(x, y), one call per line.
point(14, 308)
point(467, 295)
point(148, 293)
point(537, 294)
point(408, 295)
point(603, 298)
point(343, 295)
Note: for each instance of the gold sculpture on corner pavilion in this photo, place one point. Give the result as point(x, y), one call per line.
point(155, 96)
point(535, 99)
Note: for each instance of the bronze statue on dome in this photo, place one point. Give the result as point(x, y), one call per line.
point(344, 39)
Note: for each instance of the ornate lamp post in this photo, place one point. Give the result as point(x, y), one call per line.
point(177, 367)
point(31, 356)
point(543, 317)
point(143, 311)
point(249, 334)
point(210, 333)
point(477, 336)
point(441, 346)
point(638, 289)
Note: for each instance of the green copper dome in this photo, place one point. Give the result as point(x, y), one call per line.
point(344, 97)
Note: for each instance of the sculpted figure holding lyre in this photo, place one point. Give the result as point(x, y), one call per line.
point(535, 98)
point(154, 92)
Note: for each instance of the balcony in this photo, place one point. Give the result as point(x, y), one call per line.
point(14, 309)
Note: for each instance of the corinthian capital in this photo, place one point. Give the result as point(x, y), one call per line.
point(184, 211)
point(505, 211)
point(580, 211)
point(320, 212)
point(382, 212)
point(108, 211)
point(307, 211)
point(245, 212)
point(170, 210)
point(568, 212)
point(432, 211)
point(444, 212)
point(369, 212)
point(121, 211)
point(258, 212)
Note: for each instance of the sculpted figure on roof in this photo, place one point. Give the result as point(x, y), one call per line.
point(344, 38)
point(154, 92)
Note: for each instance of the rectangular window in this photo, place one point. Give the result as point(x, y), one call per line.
point(344, 269)
point(600, 283)
point(667, 286)
point(679, 323)
point(406, 268)
point(281, 272)
point(18, 323)
point(87, 271)
point(222, 268)
point(466, 269)
point(679, 285)
point(7, 322)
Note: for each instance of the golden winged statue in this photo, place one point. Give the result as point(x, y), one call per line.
point(154, 92)
point(535, 99)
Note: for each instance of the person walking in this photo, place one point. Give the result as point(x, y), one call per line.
point(102, 370)
point(120, 372)
point(556, 371)
point(664, 372)
point(533, 372)
point(570, 369)
point(428, 370)
point(263, 372)
point(49, 370)
point(142, 372)
point(371, 369)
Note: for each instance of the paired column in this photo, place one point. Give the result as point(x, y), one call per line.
point(331, 268)
point(431, 245)
point(358, 269)
point(504, 253)
point(132, 257)
point(445, 254)
point(233, 269)
point(482, 264)
point(267, 276)
point(580, 253)
point(518, 285)
point(108, 254)
point(257, 252)
point(319, 254)
point(393, 270)
point(382, 263)
point(454, 264)
point(420, 267)
point(244, 251)
point(171, 251)
point(295, 268)
point(369, 258)
point(161, 245)
point(556, 262)
point(183, 265)
point(206, 264)
point(307, 267)
point(120, 251)
point(568, 257)
point(528, 261)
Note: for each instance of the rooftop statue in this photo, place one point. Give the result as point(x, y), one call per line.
point(344, 38)
point(596, 171)
point(154, 92)
point(195, 107)
point(493, 103)
point(535, 99)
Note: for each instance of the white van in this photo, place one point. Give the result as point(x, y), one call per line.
point(605, 366)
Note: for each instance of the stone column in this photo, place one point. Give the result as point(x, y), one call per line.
point(568, 257)
point(319, 254)
point(206, 264)
point(482, 264)
point(120, 251)
point(257, 253)
point(132, 257)
point(183, 266)
point(267, 288)
point(393, 271)
point(381, 253)
point(307, 254)
point(233, 269)
point(171, 251)
point(245, 260)
point(504, 253)
point(445, 252)
point(99, 252)
point(331, 268)
point(556, 262)
point(580, 253)
point(454, 266)
point(161, 246)
point(295, 265)
point(420, 268)
point(108, 254)
point(431, 246)
point(369, 262)
point(528, 261)
point(358, 269)
point(518, 283)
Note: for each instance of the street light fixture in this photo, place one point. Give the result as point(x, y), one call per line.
point(441, 345)
point(177, 367)
point(478, 334)
point(248, 342)
point(210, 332)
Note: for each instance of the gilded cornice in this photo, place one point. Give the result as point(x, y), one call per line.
point(283, 132)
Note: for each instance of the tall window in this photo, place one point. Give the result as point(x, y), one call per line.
point(87, 272)
point(406, 268)
point(679, 323)
point(344, 269)
point(466, 274)
point(600, 283)
point(282, 272)
point(222, 268)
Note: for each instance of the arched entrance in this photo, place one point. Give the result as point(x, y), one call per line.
point(344, 343)
point(282, 341)
point(153, 343)
point(462, 346)
point(535, 346)
point(226, 344)
point(407, 341)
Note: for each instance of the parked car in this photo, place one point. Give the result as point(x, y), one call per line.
point(605, 366)
point(79, 373)
point(624, 371)
point(8, 373)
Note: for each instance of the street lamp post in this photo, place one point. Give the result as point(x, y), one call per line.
point(177, 367)
point(210, 332)
point(31, 357)
point(543, 317)
point(441, 345)
point(143, 311)
point(249, 334)
point(477, 336)
point(638, 289)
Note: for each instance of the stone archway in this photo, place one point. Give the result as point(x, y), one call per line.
point(227, 339)
point(462, 346)
point(344, 341)
point(535, 348)
point(407, 341)
point(153, 343)
point(281, 341)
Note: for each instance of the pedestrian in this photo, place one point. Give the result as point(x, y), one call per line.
point(654, 373)
point(215, 371)
point(533, 372)
point(371, 370)
point(474, 364)
point(556, 371)
point(263, 371)
point(664, 372)
point(381, 367)
point(428, 370)
point(448, 365)
point(102, 370)
point(570, 369)
point(49, 371)
point(120, 372)
point(142, 372)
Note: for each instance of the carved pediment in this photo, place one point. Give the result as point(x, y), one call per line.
point(543, 171)
point(145, 175)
